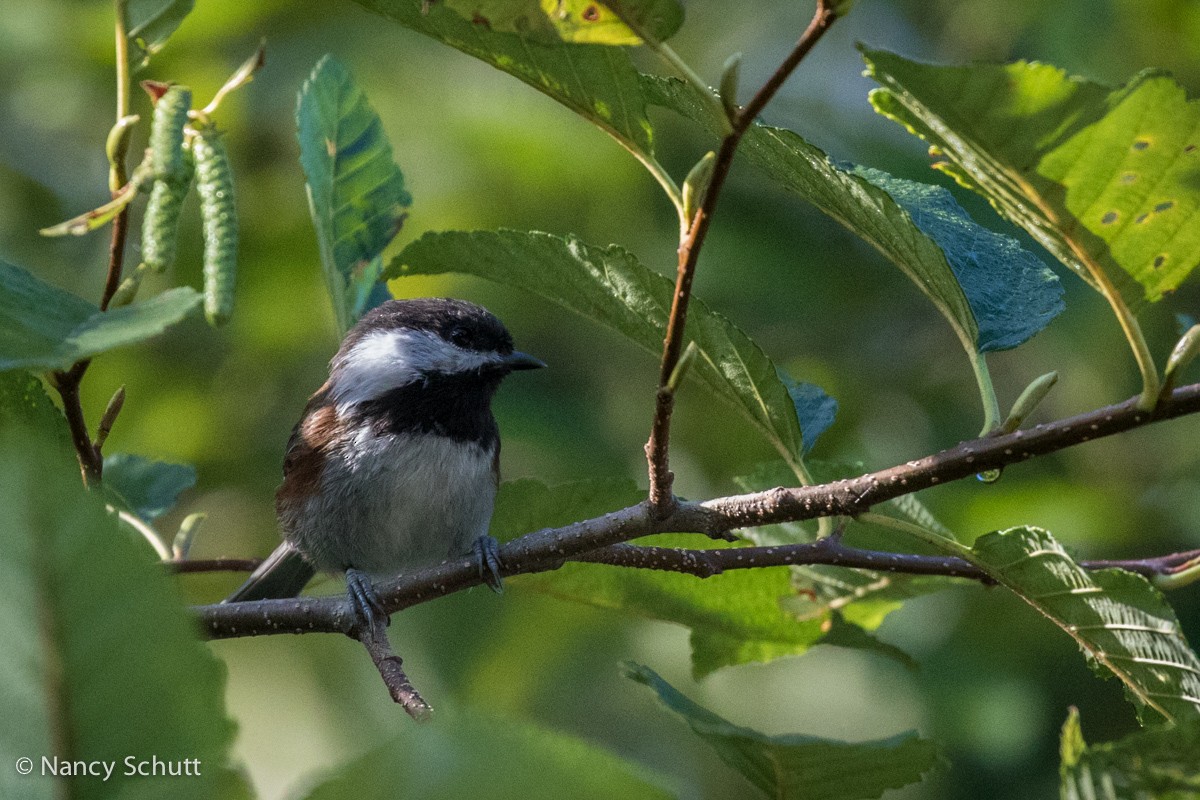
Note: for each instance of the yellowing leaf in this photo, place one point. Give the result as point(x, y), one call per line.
point(1103, 179)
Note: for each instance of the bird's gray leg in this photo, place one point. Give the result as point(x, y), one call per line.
point(487, 556)
point(364, 598)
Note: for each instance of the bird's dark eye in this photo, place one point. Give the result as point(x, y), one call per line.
point(460, 336)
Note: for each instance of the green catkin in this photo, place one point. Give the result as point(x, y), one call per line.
point(160, 226)
point(214, 182)
point(166, 133)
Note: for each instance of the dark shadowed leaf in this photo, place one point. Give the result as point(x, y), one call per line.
point(1011, 292)
point(994, 293)
point(356, 192)
point(796, 767)
point(150, 488)
point(44, 327)
point(815, 410)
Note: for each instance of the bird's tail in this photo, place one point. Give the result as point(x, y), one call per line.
point(283, 574)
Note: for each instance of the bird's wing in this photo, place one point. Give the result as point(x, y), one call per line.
point(283, 574)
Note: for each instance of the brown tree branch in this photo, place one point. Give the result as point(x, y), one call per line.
point(66, 383)
point(832, 551)
point(662, 499)
point(714, 561)
point(550, 548)
point(375, 639)
point(116, 253)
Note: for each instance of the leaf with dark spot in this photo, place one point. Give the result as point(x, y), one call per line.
point(1051, 152)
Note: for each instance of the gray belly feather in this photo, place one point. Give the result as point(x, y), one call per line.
point(399, 502)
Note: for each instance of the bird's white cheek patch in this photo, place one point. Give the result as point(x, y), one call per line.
point(386, 360)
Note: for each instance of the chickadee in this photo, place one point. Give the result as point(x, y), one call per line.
point(394, 464)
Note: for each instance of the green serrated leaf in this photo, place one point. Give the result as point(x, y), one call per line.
point(609, 286)
point(467, 753)
point(797, 767)
point(356, 192)
point(1120, 620)
point(101, 661)
point(150, 23)
point(1103, 179)
point(1162, 763)
point(149, 488)
point(599, 83)
point(44, 327)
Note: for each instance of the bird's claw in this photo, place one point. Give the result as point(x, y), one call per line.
point(364, 598)
point(487, 557)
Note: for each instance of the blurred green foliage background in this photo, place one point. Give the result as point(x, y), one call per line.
point(480, 150)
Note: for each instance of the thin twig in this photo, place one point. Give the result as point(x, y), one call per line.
point(823, 17)
point(391, 669)
point(548, 549)
point(662, 499)
point(120, 229)
point(116, 256)
point(67, 382)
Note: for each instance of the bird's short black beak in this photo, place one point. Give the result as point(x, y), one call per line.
point(518, 360)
